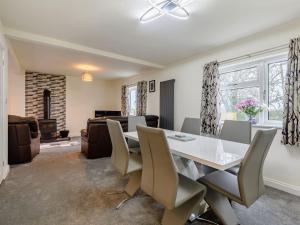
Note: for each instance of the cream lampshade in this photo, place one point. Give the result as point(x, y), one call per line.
point(87, 77)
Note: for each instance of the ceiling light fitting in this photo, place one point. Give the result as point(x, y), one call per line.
point(174, 8)
point(87, 77)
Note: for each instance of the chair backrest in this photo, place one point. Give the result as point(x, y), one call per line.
point(120, 152)
point(191, 126)
point(237, 131)
point(250, 177)
point(159, 176)
point(133, 121)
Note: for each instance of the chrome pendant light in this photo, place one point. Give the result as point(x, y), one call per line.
point(174, 8)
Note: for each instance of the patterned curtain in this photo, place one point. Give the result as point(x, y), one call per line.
point(124, 100)
point(291, 115)
point(210, 103)
point(141, 102)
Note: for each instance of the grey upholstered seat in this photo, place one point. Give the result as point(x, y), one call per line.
point(126, 163)
point(179, 194)
point(234, 170)
point(246, 187)
point(237, 131)
point(134, 163)
point(133, 121)
point(186, 189)
point(224, 181)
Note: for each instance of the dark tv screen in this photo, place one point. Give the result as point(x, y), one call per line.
point(101, 113)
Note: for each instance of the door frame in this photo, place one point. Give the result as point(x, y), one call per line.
point(1, 112)
point(4, 168)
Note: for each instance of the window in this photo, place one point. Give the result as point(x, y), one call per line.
point(132, 95)
point(276, 74)
point(262, 80)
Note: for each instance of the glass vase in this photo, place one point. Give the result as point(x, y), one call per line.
point(252, 119)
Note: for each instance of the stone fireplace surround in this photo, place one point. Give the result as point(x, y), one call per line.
point(35, 84)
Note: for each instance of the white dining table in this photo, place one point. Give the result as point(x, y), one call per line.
point(212, 152)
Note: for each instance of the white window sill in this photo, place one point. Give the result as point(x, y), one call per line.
point(258, 125)
point(261, 125)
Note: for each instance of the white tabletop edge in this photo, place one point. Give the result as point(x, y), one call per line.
point(134, 136)
point(129, 135)
point(208, 163)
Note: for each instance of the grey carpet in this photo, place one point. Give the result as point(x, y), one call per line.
point(61, 187)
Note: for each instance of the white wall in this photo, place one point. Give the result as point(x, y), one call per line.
point(3, 114)
point(16, 86)
point(282, 167)
point(83, 98)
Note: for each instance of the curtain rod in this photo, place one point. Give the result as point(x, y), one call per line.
point(250, 55)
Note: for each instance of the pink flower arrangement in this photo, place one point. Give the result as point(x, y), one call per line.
point(246, 103)
point(250, 107)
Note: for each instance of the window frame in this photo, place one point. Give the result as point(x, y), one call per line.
point(267, 62)
point(133, 86)
point(262, 82)
point(248, 84)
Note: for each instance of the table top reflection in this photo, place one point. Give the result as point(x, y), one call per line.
point(212, 152)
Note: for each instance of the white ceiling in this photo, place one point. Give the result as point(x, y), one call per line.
point(113, 26)
point(56, 60)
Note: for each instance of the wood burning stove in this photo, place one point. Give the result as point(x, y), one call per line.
point(47, 104)
point(48, 126)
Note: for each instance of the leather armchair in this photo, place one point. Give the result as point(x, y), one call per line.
point(23, 139)
point(95, 139)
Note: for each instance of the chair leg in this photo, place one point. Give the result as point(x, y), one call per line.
point(181, 214)
point(198, 212)
point(119, 193)
point(122, 203)
point(206, 221)
point(134, 182)
point(115, 192)
point(132, 187)
point(199, 209)
point(221, 207)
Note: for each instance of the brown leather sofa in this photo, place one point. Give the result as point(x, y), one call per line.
point(95, 139)
point(23, 139)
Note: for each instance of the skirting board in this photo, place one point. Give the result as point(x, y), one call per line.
point(5, 172)
point(292, 189)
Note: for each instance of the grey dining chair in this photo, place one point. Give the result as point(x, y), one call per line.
point(191, 126)
point(133, 121)
point(237, 131)
point(125, 163)
point(179, 194)
point(244, 188)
